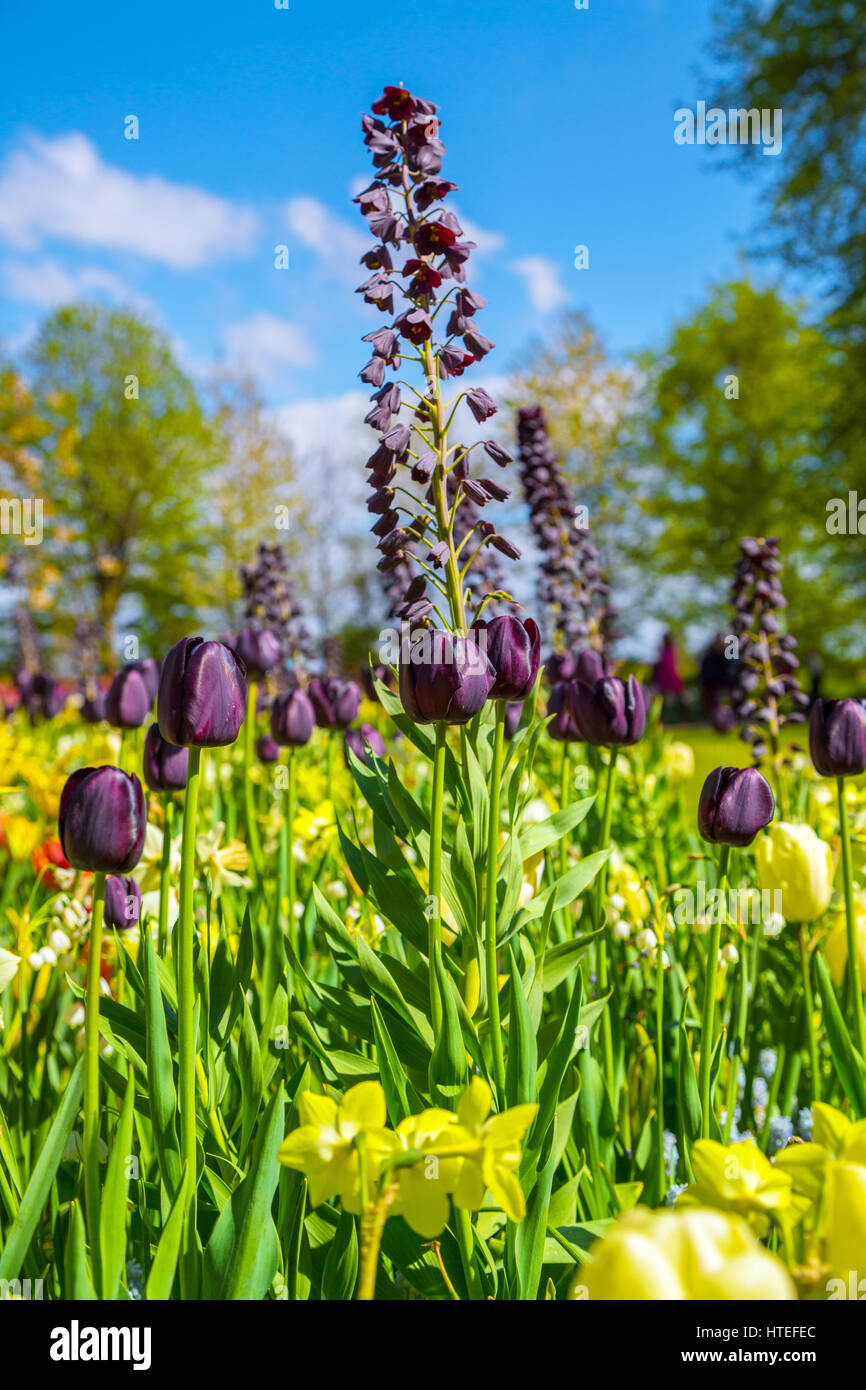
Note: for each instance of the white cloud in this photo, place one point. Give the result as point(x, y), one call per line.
point(265, 344)
point(338, 245)
point(46, 283)
point(63, 190)
point(542, 282)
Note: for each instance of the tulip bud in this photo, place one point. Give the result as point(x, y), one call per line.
point(513, 650)
point(102, 820)
point(202, 694)
point(335, 702)
point(292, 719)
point(445, 678)
point(359, 739)
point(792, 860)
point(164, 764)
point(562, 726)
point(259, 650)
point(122, 902)
point(837, 737)
point(609, 712)
point(735, 804)
point(93, 707)
point(128, 701)
point(267, 749)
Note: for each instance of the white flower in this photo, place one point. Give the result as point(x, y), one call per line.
point(59, 941)
point(617, 902)
point(34, 960)
point(729, 954)
point(48, 956)
point(774, 923)
point(8, 968)
point(646, 939)
point(622, 931)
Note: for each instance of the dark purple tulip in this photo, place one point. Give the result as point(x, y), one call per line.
point(513, 650)
point(148, 668)
point(102, 820)
point(358, 739)
point(293, 719)
point(202, 694)
point(609, 712)
point(267, 749)
point(259, 650)
point(122, 902)
point(513, 711)
point(129, 700)
point(736, 802)
point(93, 706)
point(562, 726)
point(590, 666)
point(53, 696)
point(335, 702)
point(446, 678)
point(164, 764)
point(837, 737)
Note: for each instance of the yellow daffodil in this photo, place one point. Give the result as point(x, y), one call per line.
point(680, 1255)
point(224, 864)
point(492, 1147)
point(845, 1219)
point(738, 1178)
point(678, 761)
point(325, 1148)
point(793, 861)
point(626, 883)
point(834, 1136)
point(836, 941)
point(424, 1188)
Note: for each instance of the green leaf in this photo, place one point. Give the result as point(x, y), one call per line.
point(162, 1271)
point(341, 1264)
point(113, 1208)
point(520, 1072)
point(539, 837)
point(77, 1284)
point(242, 1255)
point(35, 1197)
point(846, 1059)
point(161, 1091)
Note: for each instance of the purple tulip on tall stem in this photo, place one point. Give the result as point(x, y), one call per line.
point(102, 823)
point(201, 704)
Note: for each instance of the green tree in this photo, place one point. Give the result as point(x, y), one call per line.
point(736, 439)
point(807, 58)
point(129, 503)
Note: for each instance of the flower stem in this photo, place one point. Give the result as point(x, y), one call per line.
point(660, 1071)
point(287, 861)
point(709, 1010)
point(603, 940)
point(164, 869)
point(808, 1010)
point(466, 1241)
point(491, 971)
point(186, 1016)
point(855, 984)
point(91, 1068)
point(434, 917)
point(249, 790)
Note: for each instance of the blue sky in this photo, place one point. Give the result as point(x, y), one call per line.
point(559, 130)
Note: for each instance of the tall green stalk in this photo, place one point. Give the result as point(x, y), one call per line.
point(709, 1009)
point(255, 845)
point(91, 1067)
point(434, 915)
point(186, 1017)
point(165, 872)
point(603, 940)
point(855, 984)
point(287, 860)
point(809, 1016)
point(491, 970)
